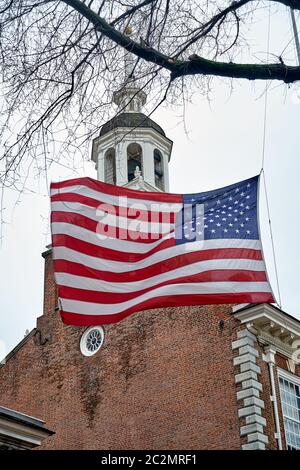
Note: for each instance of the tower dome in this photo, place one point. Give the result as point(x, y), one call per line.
point(132, 150)
point(132, 120)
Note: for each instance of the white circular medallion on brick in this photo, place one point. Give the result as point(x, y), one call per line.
point(91, 340)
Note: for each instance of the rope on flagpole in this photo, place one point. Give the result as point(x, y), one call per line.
point(262, 172)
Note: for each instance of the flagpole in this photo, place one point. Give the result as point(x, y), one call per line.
point(296, 36)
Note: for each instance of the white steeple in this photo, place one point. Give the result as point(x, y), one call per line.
point(130, 98)
point(132, 150)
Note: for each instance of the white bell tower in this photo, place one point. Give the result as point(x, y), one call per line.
point(132, 150)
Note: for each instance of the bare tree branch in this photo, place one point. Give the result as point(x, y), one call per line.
point(61, 61)
point(197, 64)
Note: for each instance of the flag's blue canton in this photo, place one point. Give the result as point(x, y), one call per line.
point(229, 212)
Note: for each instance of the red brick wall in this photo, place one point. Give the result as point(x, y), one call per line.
point(163, 379)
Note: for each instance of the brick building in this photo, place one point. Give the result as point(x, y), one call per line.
point(201, 377)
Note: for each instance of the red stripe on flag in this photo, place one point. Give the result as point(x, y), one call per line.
point(118, 191)
point(105, 229)
point(157, 268)
point(106, 253)
point(77, 319)
point(222, 275)
point(130, 213)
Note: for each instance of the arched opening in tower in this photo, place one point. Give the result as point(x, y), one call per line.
point(110, 166)
point(134, 159)
point(158, 169)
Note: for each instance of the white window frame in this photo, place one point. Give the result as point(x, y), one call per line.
point(283, 374)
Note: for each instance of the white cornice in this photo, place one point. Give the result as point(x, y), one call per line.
point(27, 435)
point(282, 348)
point(272, 327)
point(125, 134)
point(273, 314)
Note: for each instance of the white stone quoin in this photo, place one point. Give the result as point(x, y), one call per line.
point(248, 377)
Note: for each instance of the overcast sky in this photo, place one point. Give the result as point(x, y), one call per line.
point(223, 144)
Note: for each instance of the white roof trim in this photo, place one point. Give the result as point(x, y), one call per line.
point(272, 327)
point(25, 435)
point(137, 183)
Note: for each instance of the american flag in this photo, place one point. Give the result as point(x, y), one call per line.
point(117, 251)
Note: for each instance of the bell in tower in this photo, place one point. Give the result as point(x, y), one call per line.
point(131, 141)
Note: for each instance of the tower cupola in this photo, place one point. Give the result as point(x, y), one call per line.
point(132, 150)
